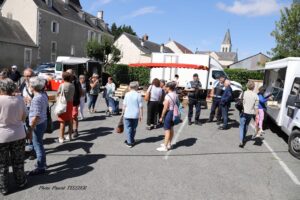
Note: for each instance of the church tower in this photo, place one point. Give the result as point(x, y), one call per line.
point(226, 45)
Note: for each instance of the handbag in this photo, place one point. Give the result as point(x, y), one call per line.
point(120, 127)
point(61, 104)
point(148, 95)
point(239, 105)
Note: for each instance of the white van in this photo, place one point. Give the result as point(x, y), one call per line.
point(282, 79)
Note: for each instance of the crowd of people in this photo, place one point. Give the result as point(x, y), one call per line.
point(24, 111)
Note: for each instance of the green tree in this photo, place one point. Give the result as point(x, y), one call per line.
point(118, 30)
point(105, 52)
point(287, 33)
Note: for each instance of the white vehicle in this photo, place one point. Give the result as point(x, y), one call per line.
point(282, 79)
point(79, 65)
point(166, 65)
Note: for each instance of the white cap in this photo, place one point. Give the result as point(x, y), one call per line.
point(14, 67)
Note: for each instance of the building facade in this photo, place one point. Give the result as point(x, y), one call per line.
point(178, 48)
point(57, 27)
point(255, 62)
point(137, 50)
point(16, 46)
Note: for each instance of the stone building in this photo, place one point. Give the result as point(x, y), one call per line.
point(57, 27)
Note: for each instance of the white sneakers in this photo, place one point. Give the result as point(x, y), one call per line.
point(60, 140)
point(68, 138)
point(164, 148)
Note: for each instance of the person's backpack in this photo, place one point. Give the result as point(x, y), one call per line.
point(239, 105)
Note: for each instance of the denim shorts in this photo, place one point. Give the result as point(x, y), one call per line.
point(168, 123)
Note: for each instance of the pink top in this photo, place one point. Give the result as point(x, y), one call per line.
point(12, 109)
point(172, 98)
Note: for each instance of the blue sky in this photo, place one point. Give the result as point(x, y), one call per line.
point(197, 23)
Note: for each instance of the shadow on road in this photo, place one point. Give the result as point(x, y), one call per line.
point(185, 143)
point(150, 140)
point(85, 143)
point(70, 168)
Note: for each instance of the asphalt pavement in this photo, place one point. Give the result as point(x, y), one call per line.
point(205, 163)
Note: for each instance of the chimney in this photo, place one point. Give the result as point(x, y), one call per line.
point(49, 3)
point(100, 14)
point(162, 48)
point(145, 37)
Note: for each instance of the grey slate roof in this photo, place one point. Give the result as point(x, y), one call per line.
point(12, 31)
point(183, 48)
point(71, 12)
point(149, 47)
point(227, 56)
point(227, 38)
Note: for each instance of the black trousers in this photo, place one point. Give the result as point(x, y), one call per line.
point(216, 105)
point(197, 104)
point(152, 112)
point(14, 152)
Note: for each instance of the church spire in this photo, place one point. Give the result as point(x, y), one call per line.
point(226, 45)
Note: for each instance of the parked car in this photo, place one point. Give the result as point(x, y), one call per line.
point(42, 67)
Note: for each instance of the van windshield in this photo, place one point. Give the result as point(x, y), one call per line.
point(58, 67)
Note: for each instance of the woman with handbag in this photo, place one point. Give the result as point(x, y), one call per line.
point(132, 113)
point(168, 115)
point(153, 96)
point(67, 89)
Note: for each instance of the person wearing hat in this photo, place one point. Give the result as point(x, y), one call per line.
point(193, 88)
point(14, 74)
point(217, 92)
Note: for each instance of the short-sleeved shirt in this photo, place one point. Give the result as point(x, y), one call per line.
point(38, 108)
point(172, 98)
point(156, 93)
point(12, 110)
point(110, 89)
point(69, 90)
point(133, 103)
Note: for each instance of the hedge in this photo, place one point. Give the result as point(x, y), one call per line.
point(123, 74)
point(242, 76)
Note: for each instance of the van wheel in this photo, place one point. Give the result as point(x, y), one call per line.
point(294, 143)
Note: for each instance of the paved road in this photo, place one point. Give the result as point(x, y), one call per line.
point(205, 164)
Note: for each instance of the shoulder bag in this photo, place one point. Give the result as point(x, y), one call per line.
point(61, 104)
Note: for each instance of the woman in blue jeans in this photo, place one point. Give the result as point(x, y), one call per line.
point(132, 112)
point(38, 123)
point(250, 103)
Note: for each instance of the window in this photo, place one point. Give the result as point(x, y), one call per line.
point(72, 50)
point(27, 57)
point(53, 51)
point(99, 38)
point(91, 35)
point(296, 87)
point(55, 27)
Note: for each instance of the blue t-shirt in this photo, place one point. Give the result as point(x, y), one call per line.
point(38, 107)
point(133, 103)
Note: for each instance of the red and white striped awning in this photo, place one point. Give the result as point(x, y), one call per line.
point(168, 65)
